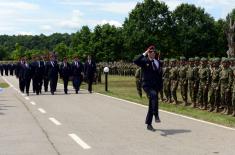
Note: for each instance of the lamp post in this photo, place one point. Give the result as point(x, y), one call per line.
point(106, 71)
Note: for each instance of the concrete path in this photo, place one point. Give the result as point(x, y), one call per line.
point(94, 124)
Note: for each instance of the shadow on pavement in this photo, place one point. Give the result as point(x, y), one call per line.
point(172, 131)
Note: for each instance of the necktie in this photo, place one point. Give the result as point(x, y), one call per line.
point(154, 66)
point(52, 63)
point(39, 64)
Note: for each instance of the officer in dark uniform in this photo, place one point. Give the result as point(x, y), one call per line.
point(152, 82)
point(65, 72)
point(27, 75)
point(6, 68)
point(45, 74)
point(52, 70)
point(38, 71)
point(12, 68)
point(1, 68)
point(77, 70)
point(90, 72)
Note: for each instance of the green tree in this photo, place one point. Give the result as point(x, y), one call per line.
point(195, 31)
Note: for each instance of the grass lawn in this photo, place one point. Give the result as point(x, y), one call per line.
point(124, 88)
point(4, 85)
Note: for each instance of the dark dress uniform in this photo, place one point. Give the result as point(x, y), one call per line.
point(25, 75)
point(52, 70)
point(6, 68)
point(89, 71)
point(1, 69)
point(152, 84)
point(12, 68)
point(45, 77)
point(77, 69)
point(65, 72)
point(38, 71)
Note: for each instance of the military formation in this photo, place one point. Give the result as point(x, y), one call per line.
point(205, 84)
point(44, 71)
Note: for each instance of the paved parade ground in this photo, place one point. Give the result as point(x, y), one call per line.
point(95, 124)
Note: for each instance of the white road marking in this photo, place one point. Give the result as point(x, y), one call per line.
point(42, 110)
point(79, 141)
point(27, 98)
point(15, 89)
point(54, 121)
point(22, 94)
point(194, 119)
point(33, 103)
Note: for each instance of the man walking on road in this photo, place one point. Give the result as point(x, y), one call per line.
point(152, 82)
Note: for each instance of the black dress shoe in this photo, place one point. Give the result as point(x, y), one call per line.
point(157, 120)
point(150, 127)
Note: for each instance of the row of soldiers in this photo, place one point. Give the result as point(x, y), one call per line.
point(210, 84)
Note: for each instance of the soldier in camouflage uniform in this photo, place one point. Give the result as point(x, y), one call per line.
point(204, 76)
point(233, 86)
point(189, 75)
point(196, 81)
point(166, 80)
point(226, 80)
point(183, 80)
point(138, 80)
point(174, 80)
point(214, 93)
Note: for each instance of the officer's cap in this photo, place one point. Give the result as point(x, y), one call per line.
point(182, 58)
point(203, 59)
point(197, 59)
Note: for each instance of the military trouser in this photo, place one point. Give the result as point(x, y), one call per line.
point(225, 97)
point(174, 85)
point(195, 92)
point(233, 103)
point(167, 89)
point(183, 89)
point(203, 95)
point(190, 88)
point(139, 87)
point(214, 96)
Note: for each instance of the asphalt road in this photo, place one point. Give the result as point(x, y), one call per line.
point(94, 124)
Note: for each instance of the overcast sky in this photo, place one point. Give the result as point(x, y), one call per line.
point(50, 16)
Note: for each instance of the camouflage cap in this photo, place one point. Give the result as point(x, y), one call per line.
point(203, 59)
point(232, 59)
point(182, 58)
point(166, 60)
point(191, 59)
point(172, 60)
point(216, 60)
point(197, 59)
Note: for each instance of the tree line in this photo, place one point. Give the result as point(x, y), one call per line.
point(188, 31)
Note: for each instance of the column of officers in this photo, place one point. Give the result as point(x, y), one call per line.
point(44, 71)
point(208, 84)
point(7, 68)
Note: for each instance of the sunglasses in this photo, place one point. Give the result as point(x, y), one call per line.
point(152, 51)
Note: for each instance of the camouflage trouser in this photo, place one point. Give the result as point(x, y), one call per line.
point(214, 95)
point(167, 88)
point(233, 100)
point(225, 94)
point(139, 87)
point(203, 94)
point(190, 88)
point(195, 91)
point(183, 88)
point(174, 85)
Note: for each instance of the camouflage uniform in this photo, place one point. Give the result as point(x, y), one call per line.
point(190, 77)
point(214, 93)
point(138, 80)
point(174, 80)
point(233, 89)
point(204, 76)
point(183, 80)
point(195, 81)
point(226, 79)
point(166, 80)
